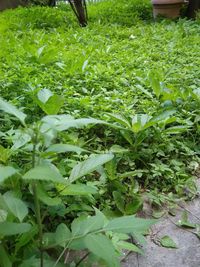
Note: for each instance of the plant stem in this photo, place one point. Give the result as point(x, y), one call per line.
point(37, 205)
point(82, 259)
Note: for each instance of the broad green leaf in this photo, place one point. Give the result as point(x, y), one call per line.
point(20, 139)
point(128, 136)
point(10, 109)
point(89, 166)
point(184, 221)
point(84, 226)
point(140, 122)
point(5, 258)
point(111, 169)
point(119, 200)
point(40, 50)
point(139, 238)
point(163, 115)
point(3, 215)
point(63, 148)
point(17, 207)
point(77, 244)
point(102, 247)
point(85, 65)
point(5, 154)
point(118, 149)
point(167, 242)
point(176, 129)
point(78, 189)
point(6, 172)
point(45, 173)
point(53, 105)
point(64, 122)
point(158, 214)
point(129, 246)
point(120, 119)
point(49, 239)
point(135, 204)
point(155, 83)
point(35, 262)
point(45, 198)
point(11, 228)
point(62, 235)
point(27, 237)
point(137, 173)
point(44, 95)
point(129, 224)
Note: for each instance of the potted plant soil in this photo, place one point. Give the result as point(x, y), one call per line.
point(167, 8)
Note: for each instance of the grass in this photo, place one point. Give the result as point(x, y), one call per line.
point(108, 67)
point(141, 80)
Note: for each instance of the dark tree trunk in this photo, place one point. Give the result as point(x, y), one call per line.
point(80, 10)
point(193, 6)
point(52, 3)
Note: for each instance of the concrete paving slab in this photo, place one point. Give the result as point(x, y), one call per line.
point(188, 252)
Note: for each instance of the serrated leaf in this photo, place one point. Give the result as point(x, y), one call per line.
point(167, 242)
point(88, 166)
point(45, 173)
point(16, 206)
point(102, 247)
point(11, 228)
point(10, 109)
point(6, 172)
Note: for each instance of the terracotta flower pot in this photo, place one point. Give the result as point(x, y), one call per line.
point(167, 8)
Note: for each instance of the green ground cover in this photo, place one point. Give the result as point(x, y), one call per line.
point(139, 77)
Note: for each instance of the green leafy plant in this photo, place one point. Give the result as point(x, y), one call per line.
point(28, 190)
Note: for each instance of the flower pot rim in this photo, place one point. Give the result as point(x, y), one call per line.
point(167, 2)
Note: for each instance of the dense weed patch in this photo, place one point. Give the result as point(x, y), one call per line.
point(138, 78)
point(101, 69)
